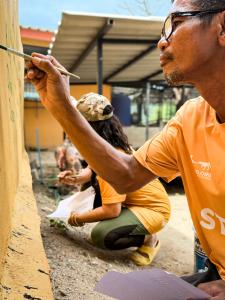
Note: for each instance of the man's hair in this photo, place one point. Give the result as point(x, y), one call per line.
point(112, 131)
point(208, 4)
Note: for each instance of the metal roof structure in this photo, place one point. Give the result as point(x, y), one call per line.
point(112, 49)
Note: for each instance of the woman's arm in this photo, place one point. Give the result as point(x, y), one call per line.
point(60, 156)
point(104, 212)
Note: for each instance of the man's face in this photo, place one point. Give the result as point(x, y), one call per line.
point(186, 55)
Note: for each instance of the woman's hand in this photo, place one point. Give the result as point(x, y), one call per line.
point(74, 221)
point(68, 177)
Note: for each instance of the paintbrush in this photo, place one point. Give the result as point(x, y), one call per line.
point(29, 57)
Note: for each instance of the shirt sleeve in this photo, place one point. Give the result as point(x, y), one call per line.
point(160, 154)
point(108, 194)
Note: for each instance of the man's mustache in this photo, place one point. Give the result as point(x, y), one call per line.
point(167, 56)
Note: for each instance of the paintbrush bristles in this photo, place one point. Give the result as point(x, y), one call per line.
point(3, 47)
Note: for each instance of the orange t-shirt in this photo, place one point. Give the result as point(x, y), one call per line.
point(192, 145)
point(150, 204)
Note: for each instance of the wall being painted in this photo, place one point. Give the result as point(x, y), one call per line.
point(40, 128)
point(24, 271)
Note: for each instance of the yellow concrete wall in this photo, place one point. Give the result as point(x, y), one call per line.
point(23, 262)
point(39, 122)
point(78, 90)
point(11, 145)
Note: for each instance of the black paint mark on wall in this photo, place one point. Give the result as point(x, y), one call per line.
point(5, 287)
point(10, 248)
point(41, 271)
point(26, 296)
point(30, 287)
point(10, 87)
point(12, 116)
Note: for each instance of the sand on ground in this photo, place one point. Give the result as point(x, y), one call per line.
point(76, 265)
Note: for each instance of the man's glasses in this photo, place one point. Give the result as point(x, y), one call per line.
point(170, 25)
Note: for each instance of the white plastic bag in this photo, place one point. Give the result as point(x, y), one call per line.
point(79, 202)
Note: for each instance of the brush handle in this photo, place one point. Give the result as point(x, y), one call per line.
point(29, 57)
point(67, 73)
point(23, 55)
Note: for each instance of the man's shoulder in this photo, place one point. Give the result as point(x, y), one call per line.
point(198, 101)
point(194, 105)
point(192, 109)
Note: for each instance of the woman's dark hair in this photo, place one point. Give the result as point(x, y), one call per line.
point(112, 131)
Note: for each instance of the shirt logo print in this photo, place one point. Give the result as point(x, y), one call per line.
point(202, 168)
point(206, 166)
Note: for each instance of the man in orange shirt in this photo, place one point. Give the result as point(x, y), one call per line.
point(192, 144)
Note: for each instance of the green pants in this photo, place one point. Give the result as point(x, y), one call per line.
point(119, 233)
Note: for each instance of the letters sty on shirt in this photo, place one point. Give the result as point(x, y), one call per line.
point(192, 145)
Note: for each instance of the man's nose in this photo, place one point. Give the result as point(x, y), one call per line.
point(162, 44)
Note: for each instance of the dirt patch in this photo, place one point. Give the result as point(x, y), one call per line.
point(77, 265)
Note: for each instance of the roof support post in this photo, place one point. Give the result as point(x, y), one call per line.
point(147, 103)
point(100, 65)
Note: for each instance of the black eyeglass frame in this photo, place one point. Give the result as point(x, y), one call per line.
point(186, 14)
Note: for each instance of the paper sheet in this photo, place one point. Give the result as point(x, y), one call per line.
point(153, 284)
point(79, 202)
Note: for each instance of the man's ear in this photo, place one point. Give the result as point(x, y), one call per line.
point(221, 29)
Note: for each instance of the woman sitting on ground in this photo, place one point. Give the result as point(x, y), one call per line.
point(130, 220)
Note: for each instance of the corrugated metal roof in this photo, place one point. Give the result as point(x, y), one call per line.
point(129, 46)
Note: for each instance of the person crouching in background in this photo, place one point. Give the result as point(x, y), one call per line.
point(129, 220)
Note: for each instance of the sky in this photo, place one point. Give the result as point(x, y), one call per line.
point(46, 14)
